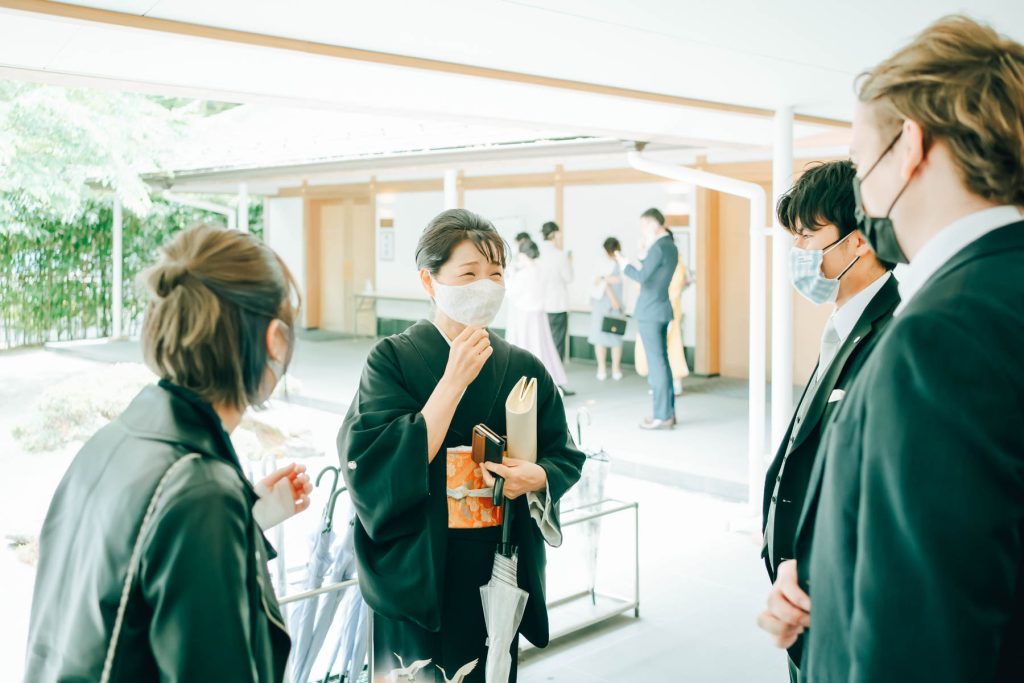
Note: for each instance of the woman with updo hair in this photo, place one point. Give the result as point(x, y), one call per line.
point(152, 558)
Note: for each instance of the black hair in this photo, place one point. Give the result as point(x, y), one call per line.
point(522, 237)
point(529, 248)
point(655, 214)
point(612, 245)
point(549, 229)
point(451, 228)
point(822, 196)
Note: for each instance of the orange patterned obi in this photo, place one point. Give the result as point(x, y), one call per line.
point(470, 503)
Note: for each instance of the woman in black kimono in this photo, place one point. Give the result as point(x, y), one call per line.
point(422, 393)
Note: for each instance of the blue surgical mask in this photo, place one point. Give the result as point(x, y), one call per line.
point(807, 278)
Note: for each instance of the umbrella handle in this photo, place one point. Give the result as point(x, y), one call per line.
point(506, 548)
point(581, 412)
point(498, 496)
point(329, 510)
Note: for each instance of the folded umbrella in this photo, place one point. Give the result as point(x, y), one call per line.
point(504, 604)
point(343, 568)
point(353, 639)
point(303, 616)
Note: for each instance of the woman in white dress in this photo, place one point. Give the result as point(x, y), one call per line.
point(527, 322)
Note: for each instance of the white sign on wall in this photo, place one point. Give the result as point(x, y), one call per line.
point(386, 244)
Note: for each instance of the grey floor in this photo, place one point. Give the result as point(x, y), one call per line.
point(701, 582)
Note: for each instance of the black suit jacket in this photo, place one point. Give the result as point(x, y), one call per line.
point(806, 428)
point(912, 541)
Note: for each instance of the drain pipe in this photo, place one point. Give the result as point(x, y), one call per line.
point(758, 199)
point(231, 214)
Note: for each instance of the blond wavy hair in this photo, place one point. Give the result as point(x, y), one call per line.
point(963, 83)
point(212, 296)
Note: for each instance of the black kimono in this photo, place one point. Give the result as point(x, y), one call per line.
point(421, 579)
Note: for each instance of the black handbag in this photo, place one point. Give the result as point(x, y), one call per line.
point(613, 325)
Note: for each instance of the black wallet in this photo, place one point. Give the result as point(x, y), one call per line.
point(489, 447)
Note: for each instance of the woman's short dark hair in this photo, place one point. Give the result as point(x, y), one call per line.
point(212, 296)
point(612, 245)
point(451, 228)
point(655, 214)
point(529, 248)
point(522, 237)
point(549, 229)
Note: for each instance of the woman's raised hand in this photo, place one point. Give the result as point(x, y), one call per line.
point(470, 350)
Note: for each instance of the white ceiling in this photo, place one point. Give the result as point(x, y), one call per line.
point(749, 53)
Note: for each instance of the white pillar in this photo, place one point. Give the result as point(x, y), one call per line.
point(782, 295)
point(758, 354)
point(117, 298)
point(243, 207)
point(758, 315)
point(451, 189)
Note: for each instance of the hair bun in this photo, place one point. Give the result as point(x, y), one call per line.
point(169, 276)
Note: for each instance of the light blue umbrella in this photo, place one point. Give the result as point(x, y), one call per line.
point(353, 639)
point(303, 617)
point(343, 568)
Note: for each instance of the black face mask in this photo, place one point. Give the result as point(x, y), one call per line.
point(879, 232)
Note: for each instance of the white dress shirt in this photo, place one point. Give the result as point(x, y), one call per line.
point(842, 321)
point(555, 275)
point(948, 243)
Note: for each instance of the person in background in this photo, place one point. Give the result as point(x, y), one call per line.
point(676, 353)
point(152, 559)
point(529, 329)
point(556, 274)
point(606, 299)
point(831, 264)
point(654, 311)
point(674, 338)
point(914, 558)
point(522, 237)
point(424, 547)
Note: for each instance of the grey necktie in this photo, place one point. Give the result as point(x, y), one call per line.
point(830, 343)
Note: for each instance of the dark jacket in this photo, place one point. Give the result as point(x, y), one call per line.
point(912, 541)
point(800, 444)
point(202, 607)
point(654, 275)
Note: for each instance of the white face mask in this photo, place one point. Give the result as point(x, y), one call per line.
point(474, 304)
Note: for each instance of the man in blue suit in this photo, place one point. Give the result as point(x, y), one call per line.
point(654, 313)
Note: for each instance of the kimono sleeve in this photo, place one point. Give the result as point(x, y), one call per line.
point(382, 447)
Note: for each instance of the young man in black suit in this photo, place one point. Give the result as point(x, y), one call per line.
point(830, 264)
point(912, 541)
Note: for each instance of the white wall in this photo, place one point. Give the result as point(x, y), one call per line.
point(591, 213)
point(411, 212)
point(512, 211)
point(284, 231)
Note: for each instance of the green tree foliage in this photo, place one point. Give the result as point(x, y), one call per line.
point(57, 143)
point(63, 155)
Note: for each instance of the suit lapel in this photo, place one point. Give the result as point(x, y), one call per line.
point(879, 309)
point(880, 305)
